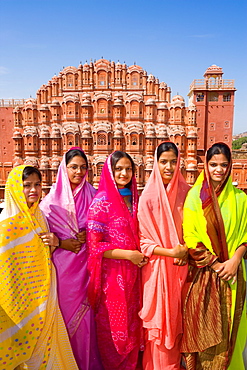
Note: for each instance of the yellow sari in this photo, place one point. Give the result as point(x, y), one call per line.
point(215, 324)
point(32, 332)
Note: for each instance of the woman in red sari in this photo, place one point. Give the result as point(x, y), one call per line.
point(114, 262)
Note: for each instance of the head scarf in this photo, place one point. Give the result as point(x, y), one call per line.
point(160, 222)
point(66, 210)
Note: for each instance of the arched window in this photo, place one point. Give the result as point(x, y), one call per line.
point(70, 109)
point(102, 79)
point(70, 139)
point(134, 108)
point(70, 80)
point(102, 106)
point(134, 138)
point(134, 79)
point(101, 138)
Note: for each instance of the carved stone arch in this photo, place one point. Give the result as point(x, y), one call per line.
point(134, 96)
point(102, 126)
point(134, 127)
point(102, 95)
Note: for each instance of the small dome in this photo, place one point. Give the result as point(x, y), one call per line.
point(192, 134)
point(150, 102)
point(17, 135)
point(55, 103)
point(55, 163)
point(178, 98)
point(44, 163)
point(44, 107)
point(192, 166)
point(149, 163)
point(162, 106)
point(151, 78)
point(44, 132)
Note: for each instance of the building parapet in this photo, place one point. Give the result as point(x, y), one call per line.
point(11, 102)
point(212, 84)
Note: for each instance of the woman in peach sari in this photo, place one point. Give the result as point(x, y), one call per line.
point(160, 222)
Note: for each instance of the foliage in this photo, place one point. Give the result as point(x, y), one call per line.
point(236, 144)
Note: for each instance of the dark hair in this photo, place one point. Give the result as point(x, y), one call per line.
point(74, 153)
point(166, 147)
point(29, 170)
point(116, 156)
point(219, 148)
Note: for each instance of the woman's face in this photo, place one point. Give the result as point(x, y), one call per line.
point(76, 170)
point(167, 163)
point(32, 189)
point(123, 172)
point(217, 167)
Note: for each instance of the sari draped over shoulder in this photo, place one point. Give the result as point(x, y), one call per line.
point(66, 213)
point(114, 288)
point(32, 331)
point(160, 223)
point(214, 227)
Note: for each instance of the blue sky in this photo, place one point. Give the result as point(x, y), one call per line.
point(174, 40)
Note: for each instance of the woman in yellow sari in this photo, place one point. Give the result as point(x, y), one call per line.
point(215, 231)
point(32, 332)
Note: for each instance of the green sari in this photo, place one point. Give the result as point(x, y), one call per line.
point(215, 324)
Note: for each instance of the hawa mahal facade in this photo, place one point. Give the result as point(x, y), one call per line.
point(106, 106)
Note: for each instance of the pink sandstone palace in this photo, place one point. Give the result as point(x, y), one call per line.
point(106, 106)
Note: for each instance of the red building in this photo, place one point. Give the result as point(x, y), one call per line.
point(103, 106)
point(214, 101)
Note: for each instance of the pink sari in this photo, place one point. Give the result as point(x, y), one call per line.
point(66, 213)
point(114, 288)
point(160, 222)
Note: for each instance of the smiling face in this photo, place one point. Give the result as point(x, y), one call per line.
point(76, 170)
point(167, 163)
point(123, 172)
point(217, 167)
point(32, 189)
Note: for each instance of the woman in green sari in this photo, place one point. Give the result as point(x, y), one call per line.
point(215, 231)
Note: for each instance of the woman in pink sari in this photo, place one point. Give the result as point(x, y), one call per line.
point(114, 262)
point(160, 222)
point(65, 208)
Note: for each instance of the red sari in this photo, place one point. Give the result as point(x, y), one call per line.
point(114, 288)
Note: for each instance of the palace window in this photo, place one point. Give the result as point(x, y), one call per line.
point(226, 97)
point(101, 139)
point(134, 139)
point(199, 96)
point(102, 78)
point(213, 96)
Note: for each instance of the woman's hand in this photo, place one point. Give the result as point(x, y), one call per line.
point(72, 245)
point(137, 258)
point(49, 239)
point(180, 251)
point(227, 270)
point(81, 236)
